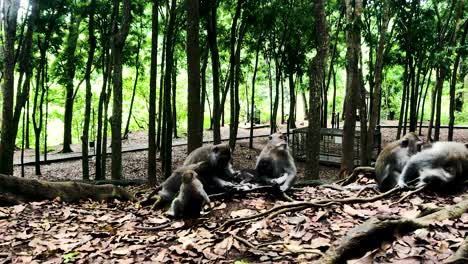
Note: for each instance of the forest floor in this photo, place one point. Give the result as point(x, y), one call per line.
point(91, 232)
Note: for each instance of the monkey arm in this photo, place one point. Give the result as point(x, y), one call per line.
point(289, 181)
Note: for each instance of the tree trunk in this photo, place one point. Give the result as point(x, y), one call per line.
point(270, 92)
point(161, 94)
point(167, 118)
point(215, 66)
point(102, 115)
point(454, 83)
point(424, 99)
point(438, 107)
point(174, 95)
point(7, 142)
point(118, 41)
point(234, 124)
point(152, 97)
point(194, 128)
point(403, 103)
point(282, 99)
point(87, 116)
point(252, 101)
point(137, 75)
point(203, 94)
point(377, 93)
point(353, 14)
point(14, 190)
point(234, 98)
point(70, 69)
point(306, 108)
point(317, 65)
point(334, 121)
point(292, 102)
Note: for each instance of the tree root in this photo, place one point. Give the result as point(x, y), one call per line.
point(461, 256)
point(362, 238)
point(15, 190)
point(353, 176)
point(288, 207)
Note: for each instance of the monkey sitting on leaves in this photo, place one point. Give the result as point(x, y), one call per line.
point(393, 158)
point(275, 165)
point(441, 164)
point(191, 198)
point(218, 177)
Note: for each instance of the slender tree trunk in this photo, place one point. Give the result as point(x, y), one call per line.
point(433, 107)
point(306, 108)
point(137, 75)
point(292, 102)
point(194, 126)
point(89, 63)
point(438, 106)
point(161, 94)
point(203, 89)
point(403, 103)
point(282, 99)
point(334, 121)
point(252, 101)
point(454, 83)
point(215, 66)
point(353, 14)
point(70, 69)
point(377, 94)
point(28, 145)
point(118, 42)
point(173, 97)
point(167, 118)
point(270, 93)
point(234, 124)
point(424, 100)
point(152, 147)
point(8, 135)
point(317, 65)
point(277, 90)
point(102, 116)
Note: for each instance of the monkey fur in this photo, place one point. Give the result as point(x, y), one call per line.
point(392, 159)
point(219, 159)
point(275, 165)
point(190, 199)
point(442, 165)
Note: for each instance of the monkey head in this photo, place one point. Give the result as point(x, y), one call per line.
point(412, 142)
point(220, 156)
point(188, 176)
point(278, 139)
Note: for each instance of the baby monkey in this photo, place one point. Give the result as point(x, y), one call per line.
point(191, 198)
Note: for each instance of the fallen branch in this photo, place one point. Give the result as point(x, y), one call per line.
point(409, 194)
point(307, 204)
point(362, 238)
point(15, 190)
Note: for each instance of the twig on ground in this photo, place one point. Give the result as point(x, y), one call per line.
point(288, 198)
point(244, 241)
point(315, 203)
point(409, 194)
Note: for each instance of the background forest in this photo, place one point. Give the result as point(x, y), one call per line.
point(410, 55)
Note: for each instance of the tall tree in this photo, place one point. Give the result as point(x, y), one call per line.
point(317, 64)
point(377, 91)
point(89, 63)
point(118, 42)
point(69, 74)
point(215, 66)
point(166, 152)
point(152, 96)
point(353, 40)
point(10, 114)
point(194, 128)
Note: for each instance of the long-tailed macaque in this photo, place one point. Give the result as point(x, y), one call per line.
point(218, 158)
point(443, 165)
point(275, 165)
point(190, 199)
point(393, 158)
